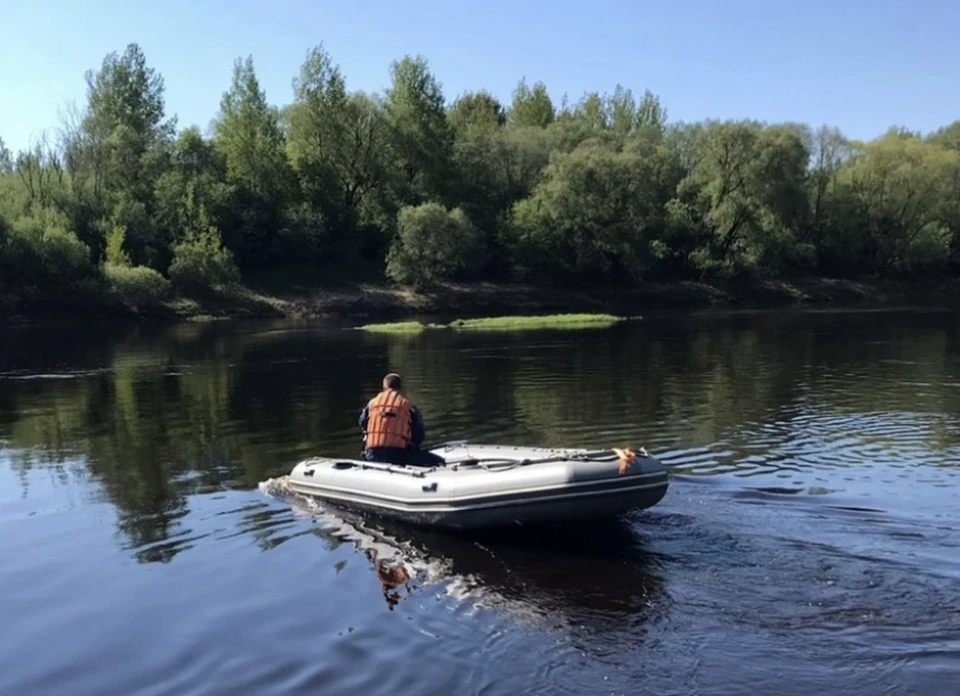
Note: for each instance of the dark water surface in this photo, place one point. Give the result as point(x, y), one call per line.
point(809, 541)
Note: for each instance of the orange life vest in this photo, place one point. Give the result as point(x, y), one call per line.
point(389, 423)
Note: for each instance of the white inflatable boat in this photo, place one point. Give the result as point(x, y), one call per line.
point(490, 485)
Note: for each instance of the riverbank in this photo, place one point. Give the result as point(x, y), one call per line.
point(376, 302)
point(491, 299)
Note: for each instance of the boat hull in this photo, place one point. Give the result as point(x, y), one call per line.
point(488, 486)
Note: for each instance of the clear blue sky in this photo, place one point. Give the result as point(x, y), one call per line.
point(860, 65)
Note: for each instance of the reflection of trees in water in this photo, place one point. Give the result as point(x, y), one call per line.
point(155, 413)
point(461, 382)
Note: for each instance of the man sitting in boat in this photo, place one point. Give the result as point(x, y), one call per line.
point(393, 428)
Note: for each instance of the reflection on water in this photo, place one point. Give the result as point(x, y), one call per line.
point(808, 538)
point(601, 568)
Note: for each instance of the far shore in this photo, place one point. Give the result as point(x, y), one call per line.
point(368, 304)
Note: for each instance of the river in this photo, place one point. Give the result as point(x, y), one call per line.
point(808, 543)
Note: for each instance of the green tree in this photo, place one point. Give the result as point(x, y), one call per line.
point(122, 144)
point(611, 118)
point(495, 169)
point(125, 92)
point(421, 135)
point(895, 189)
point(6, 159)
point(248, 135)
point(476, 112)
point(196, 176)
point(338, 144)
point(742, 204)
point(948, 138)
point(591, 110)
point(598, 214)
point(829, 150)
point(650, 114)
point(45, 260)
point(531, 106)
point(135, 287)
point(201, 264)
point(433, 244)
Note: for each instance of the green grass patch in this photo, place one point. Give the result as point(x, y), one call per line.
point(405, 327)
point(549, 321)
point(507, 323)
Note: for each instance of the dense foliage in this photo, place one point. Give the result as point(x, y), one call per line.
point(123, 206)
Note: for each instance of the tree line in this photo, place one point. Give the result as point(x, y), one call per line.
point(119, 204)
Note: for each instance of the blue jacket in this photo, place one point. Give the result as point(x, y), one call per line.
point(417, 429)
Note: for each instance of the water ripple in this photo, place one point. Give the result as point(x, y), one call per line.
point(809, 535)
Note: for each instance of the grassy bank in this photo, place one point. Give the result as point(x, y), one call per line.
point(502, 323)
point(510, 305)
point(547, 321)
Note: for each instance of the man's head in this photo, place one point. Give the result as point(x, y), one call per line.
point(392, 381)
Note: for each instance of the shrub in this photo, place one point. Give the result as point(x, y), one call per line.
point(201, 262)
point(433, 244)
point(136, 286)
point(115, 237)
point(46, 260)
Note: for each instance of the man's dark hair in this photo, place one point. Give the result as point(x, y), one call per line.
point(392, 381)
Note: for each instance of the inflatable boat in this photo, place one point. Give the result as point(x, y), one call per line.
point(481, 486)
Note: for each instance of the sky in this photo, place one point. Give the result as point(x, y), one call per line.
point(860, 65)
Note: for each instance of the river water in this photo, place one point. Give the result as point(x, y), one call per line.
point(808, 543)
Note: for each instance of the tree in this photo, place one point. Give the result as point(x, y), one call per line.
point(475, 112)
point(109, 156)
point(495, 169)
point(6, 159)
point(134, 286)
point(829, 149)
point(896, 188)
point(126, 93)
point(421, 136)
point(650, 113)
point(317, 130)
point(433, 244)
point(196, 177)
point(45, 260)
point(247, 134)
point(947, 137)
point(338, 144)
point(598, 213)
point(618, 114)
point(201, 263)
point(531, 106)
point(743, 201)
point(592, 112)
